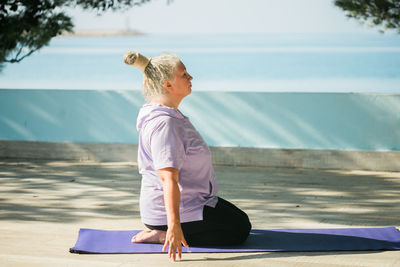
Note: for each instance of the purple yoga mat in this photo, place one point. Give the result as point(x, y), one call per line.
point(349, 239)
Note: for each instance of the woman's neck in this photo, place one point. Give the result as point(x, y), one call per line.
point(164, 101)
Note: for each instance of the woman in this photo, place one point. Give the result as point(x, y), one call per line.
point(178, 201)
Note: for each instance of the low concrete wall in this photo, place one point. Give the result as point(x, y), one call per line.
point(68, 151)
point(305, 130)
point(323, 121)
point(236, 156)
point(307, 158)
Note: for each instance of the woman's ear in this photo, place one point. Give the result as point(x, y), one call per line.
point(167, 85)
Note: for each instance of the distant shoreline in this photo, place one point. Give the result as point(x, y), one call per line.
point(88, 33)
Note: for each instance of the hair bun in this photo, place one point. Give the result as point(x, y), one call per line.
point(137, 60)
point(130, 58)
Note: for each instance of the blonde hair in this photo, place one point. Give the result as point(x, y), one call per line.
point(156, 71)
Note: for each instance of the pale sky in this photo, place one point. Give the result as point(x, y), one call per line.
point(225, 16)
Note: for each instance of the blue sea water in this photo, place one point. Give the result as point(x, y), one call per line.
point(244, 62)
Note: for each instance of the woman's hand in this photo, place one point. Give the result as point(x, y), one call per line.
point(174, 239)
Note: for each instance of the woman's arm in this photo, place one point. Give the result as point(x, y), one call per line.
point(174, 237)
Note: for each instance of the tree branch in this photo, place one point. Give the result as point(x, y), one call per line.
point(19, 52)
point(16, 59)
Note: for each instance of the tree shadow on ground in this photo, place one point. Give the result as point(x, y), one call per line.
point(279, 197)
point(56, 191)
point(60, 191)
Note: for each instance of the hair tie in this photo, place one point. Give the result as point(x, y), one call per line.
point(137, 60)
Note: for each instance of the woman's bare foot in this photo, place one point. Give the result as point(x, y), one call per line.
point(150, 236)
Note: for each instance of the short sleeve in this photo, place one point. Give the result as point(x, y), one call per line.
point(166, 144)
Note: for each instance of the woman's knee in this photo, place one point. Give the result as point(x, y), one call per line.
point(244, 223)
point(242, 229)
point(246, 228)
point(240, 236)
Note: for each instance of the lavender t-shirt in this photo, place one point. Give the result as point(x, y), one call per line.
point(168, 139)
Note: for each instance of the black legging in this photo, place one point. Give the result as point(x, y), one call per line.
point(223, 225)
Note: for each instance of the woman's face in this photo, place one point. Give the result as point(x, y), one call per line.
point(181, 82)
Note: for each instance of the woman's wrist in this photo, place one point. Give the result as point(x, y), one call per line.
point(174, 224)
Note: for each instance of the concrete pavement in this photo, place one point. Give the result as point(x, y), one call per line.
point(44, 203)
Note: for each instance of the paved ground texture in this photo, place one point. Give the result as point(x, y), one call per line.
point(44, 203)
